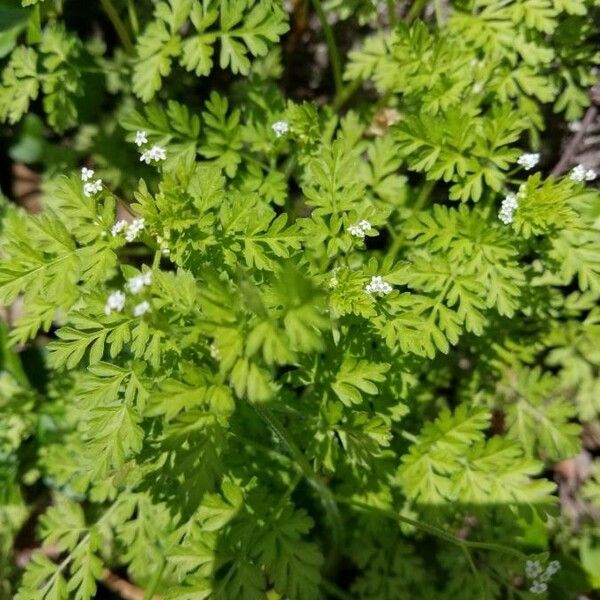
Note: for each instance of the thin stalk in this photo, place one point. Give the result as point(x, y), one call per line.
point(346, 93)
point(391, 9)
point(471, 564)
point(327, 496)
point(115, 19)
point(150, 591)
point(133, 18)
point(432, 529)
point(415, 10)
point(424, 194)
point(334, 53)
point(439, 13)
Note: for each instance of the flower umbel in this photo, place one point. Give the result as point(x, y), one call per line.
point(92, 187)
point(528, 161)
point(118, 227)
point(507, 210)
point(156, 154)
point(141, 309)
point(378, 285)
point(136, 284)
point(140, 138)
point(86, 174)
point(280, 128)
point(115, 302)
point(580, 173)
point(134, 229)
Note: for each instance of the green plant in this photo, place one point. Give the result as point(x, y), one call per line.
point(270, 348)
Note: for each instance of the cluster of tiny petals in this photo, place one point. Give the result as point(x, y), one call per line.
point(92, 187)
point(214, 351)
point(86, 174)
point(118, 227)
point(141, 309)
point(507, 210)
point(359, 229)
point(134, 229)
point(378, 285)
point(136, 284)
point(539, 575)
point(156, 153)
point(580, 173)
point(528, 161)
point(115, 302)
point(141, 138)
point(280, 128)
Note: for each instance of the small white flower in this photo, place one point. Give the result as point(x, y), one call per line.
point(280, 128)
point(553, 568)
point(575, 126)
point(156, 153)
point(538, 587)
point(116, 302)
point(580, 173)
point(377, 285)
point(118, 227)
point(528, 161)
point(356, 231)
point(141, 309)
point(509, 205)
point(86, 173)
point(533, 569)
point(92, 187)
point(140, 138)
point(136, 284)
point(214, 351)
point(359, 229)
point(133, 230)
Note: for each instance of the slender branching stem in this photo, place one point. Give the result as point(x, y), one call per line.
point(115, 19)
point(334, 53)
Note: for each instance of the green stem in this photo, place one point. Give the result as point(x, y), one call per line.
point(327, 496)
point(439, 13)
point(346, 93)
point(415, 10)
point(391, 8)
point(115, 19)
point(151, 590)
point(133, 18)
point(424, 194)
point(334, 54)
point(432, 529)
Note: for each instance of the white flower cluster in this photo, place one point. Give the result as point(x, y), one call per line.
point(280, 128)
point(116, 302)
point(359, 229)
point(540, 576)
point(136, 284)
point(214, 351)
point(90, 187)
point(509, 205)
point(131, 230)
point(156, 153)
point(528, 161)
point(580, 173)
point(141, 138)
point(141, 309)
point(378, 285)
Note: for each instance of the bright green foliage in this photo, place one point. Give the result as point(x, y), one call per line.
point(300, 351)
